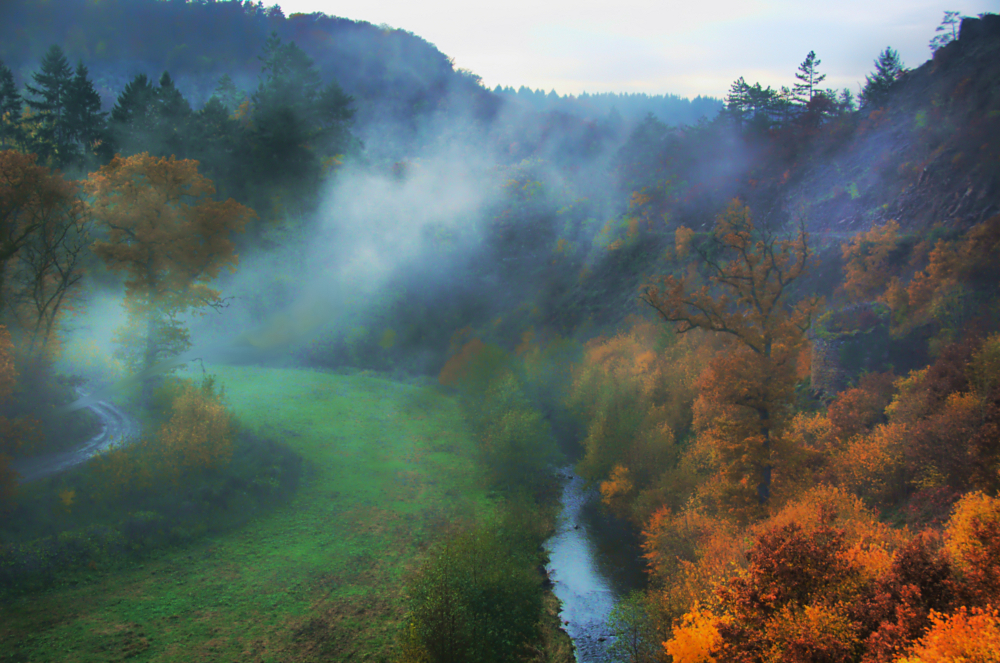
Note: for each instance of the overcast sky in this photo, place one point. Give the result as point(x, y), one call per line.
point(685, 48)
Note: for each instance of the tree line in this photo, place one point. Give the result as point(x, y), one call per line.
point(264, 148)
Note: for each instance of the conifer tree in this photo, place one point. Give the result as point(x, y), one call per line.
point(809, 77)
point(228, 94)
point(150, 118)
point(54, 81)
point(173, 116)
point(947, 31)
point(888, 70)
point(10, 109)
point(84, 119)
point(846, 101)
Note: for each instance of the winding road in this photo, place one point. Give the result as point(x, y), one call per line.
point(115, 426)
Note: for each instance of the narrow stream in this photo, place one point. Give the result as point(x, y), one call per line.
point(592, 563)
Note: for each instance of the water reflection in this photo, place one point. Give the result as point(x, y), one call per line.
point(593, 560)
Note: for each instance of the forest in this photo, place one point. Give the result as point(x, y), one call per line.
point(303, 329)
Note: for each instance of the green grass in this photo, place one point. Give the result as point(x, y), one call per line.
point(388, 465)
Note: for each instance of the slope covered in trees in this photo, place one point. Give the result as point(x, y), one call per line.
point(395, 76)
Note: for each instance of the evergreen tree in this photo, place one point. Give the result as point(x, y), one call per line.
point(947, 31)
point(133, 116)
point(297, 121)
point(736, 100)
point(228, 94)
point(173, 114)
point(888, 70)
point(152, 119)
point(809, 77)
point(54, 81)
point(846, 101)
point(84, 119)
point(219, 143)
point(10, 109)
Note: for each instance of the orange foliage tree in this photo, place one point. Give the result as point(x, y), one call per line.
point(966, 635)
point(170, 238)
point(955, 287)
point(43, 231)
point(867, 261)
point(752, 385)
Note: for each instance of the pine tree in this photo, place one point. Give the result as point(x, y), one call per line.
point(173, 117)
point(10, 109)
point(84, 119)
point(228, 94)
point(846, 101)
point(810, 79)
point(147, 118)
point(297, 121)
point(888, 70)
point(737, 100)
point(54, 81)
point(947, 31)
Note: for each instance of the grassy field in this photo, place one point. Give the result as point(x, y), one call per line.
point(388, 465)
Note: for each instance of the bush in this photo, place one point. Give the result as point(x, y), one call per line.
point(514, 438)
point(478, 598)
point(68, 524)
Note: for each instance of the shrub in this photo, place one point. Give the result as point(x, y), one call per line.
point(477, 599)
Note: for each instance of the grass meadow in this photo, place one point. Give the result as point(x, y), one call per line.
point(387, 467)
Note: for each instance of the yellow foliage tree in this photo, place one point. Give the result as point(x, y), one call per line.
point(169, 237)
point(197, 435)
point(199, 432)
point(746, 298)
point(696, 639)
point(968, 636)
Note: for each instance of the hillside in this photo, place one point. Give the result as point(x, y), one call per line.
point(928, 157)
point(397, 78)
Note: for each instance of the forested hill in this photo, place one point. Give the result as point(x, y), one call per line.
point(392, 73)
point(921, 149)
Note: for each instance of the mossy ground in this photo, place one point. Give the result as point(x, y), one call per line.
point(388, 465)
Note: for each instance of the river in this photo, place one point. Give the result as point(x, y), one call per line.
point(593, 561)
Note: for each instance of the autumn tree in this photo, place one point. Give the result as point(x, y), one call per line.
point(169, 237)
point(868, 261)
point(750, 272)
point(15, 431)
point(39, 211)
point(8, 376)
point(47, 276)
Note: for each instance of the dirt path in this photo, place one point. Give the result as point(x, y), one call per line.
point(115, 426)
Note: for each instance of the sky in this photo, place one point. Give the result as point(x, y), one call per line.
point(663, 46)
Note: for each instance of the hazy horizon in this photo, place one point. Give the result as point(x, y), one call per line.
point(662, 48)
